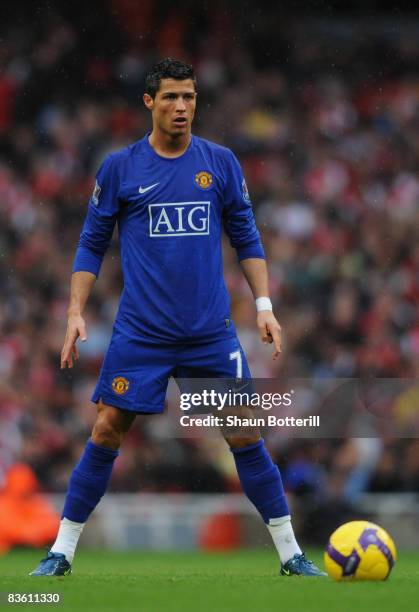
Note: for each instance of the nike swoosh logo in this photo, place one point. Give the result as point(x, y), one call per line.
point(144, 189)
point(286, 572)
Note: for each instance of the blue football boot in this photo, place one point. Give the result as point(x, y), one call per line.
point(298, 565)
point(54, 564)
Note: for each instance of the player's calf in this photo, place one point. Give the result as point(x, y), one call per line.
point(261, 482)
point(87, 485)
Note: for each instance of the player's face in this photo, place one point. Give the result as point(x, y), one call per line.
point(173, 107)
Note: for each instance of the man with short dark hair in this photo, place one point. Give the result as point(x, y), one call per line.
point(171, 194)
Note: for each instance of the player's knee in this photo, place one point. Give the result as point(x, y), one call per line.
point(242, 440)
point(106, 433)
point(111, 425)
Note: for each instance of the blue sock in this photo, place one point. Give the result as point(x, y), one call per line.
point(88, 482)
point(261, 480)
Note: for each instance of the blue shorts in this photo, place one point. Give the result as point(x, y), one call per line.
point(134, 375)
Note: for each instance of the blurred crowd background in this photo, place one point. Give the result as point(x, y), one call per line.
point(323, 113)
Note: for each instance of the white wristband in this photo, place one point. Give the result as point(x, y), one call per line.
point(263, 303)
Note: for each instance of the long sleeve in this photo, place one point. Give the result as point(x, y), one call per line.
point(100, 220)
point(239, 221)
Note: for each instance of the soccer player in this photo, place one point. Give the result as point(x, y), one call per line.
point(171, 194)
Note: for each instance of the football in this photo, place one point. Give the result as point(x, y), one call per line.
point(360, 550)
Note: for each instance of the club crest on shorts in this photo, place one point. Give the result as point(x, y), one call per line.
point(120, 385)
point(203, 180)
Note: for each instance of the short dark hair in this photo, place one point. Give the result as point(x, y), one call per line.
point(167, 68)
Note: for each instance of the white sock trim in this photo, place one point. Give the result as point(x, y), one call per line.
point(283, 537)
point(67, 538)
point(280, 520)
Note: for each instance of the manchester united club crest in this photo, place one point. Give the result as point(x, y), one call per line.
point(203, 180)
point(120, 385)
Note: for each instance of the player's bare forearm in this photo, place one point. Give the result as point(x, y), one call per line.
point(81, 286)
point(256, 274)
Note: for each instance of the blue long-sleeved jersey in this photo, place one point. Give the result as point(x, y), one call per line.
point(170, 214)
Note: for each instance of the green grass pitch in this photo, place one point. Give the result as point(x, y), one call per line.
point(169, 582)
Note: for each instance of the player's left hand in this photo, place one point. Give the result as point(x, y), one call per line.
point(269, 330)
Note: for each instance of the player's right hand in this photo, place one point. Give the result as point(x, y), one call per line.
point(76, 328)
